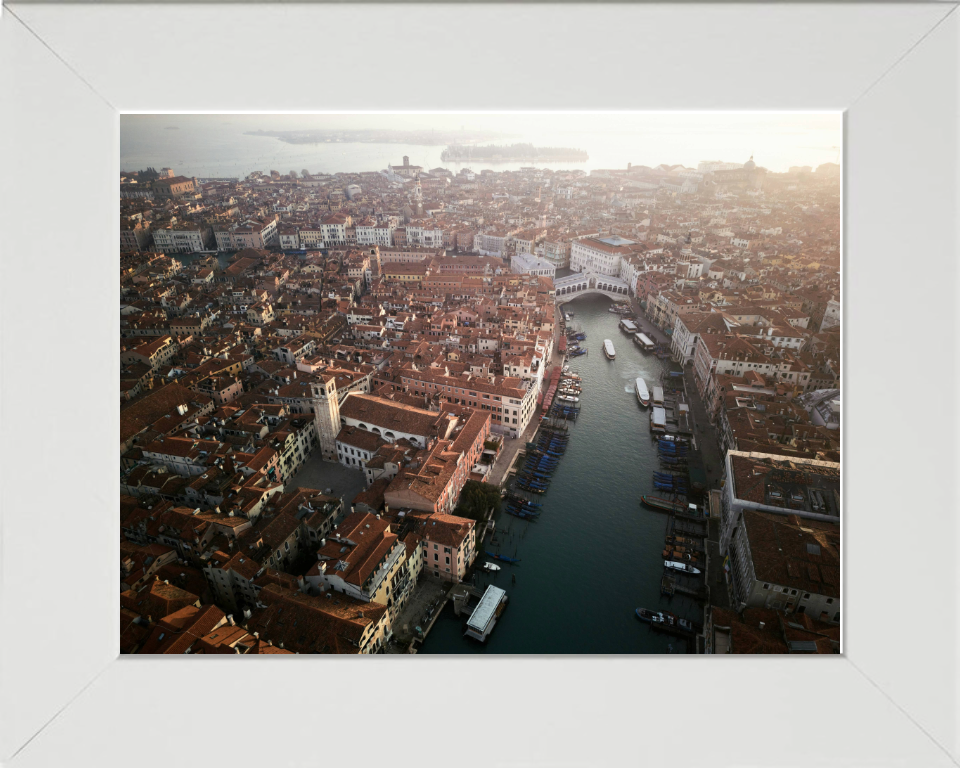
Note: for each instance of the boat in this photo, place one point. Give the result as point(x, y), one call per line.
point(568, 398)
point(614, 310)
point(665, 504)
point(653, 617)
point(658, 421)
point(674, 439)
point(643, 395)
point(608, 349)
point(628, 325)
point(566, 316)
point(502, 558)
point(490, 567)
point(644, 342)
point(682, 567)
point(571, 314)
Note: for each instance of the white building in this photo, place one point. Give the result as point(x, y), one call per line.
point(831, 315)
point(378, 234)
point(183, 238)
point(528, 264)
point(600, 255)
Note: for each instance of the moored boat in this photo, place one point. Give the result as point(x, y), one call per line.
point(644, 342)
point(653, 617)
point(490, 567)
point(502, 558)
point(608, 349)
point(568, 399)
point(643, 395)
point(658, 419)
point(658, 395)
point(682, 567)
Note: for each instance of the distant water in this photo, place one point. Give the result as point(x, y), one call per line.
point(595, 554)
point(217, 146)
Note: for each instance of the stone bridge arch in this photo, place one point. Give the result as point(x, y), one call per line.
point(583, 283)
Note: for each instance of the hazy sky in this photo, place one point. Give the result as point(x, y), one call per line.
point(778, 139)
point(691, 123)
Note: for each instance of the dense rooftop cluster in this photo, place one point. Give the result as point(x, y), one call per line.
point(399, 323)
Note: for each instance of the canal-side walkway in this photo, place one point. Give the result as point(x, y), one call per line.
point(429, 594)
point(511, 447)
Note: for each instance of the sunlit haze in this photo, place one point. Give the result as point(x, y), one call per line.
point(218, 145)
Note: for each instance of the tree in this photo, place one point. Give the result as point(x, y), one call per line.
point(476, 499)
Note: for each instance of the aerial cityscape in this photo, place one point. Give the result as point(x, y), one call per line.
point(488, 396)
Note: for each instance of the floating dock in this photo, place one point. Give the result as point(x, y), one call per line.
point(484, 617)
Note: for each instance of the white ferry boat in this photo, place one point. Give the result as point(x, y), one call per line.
point(642, 394)
point(643, 341)
point(608, 349)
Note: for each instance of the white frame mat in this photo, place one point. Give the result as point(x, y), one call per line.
point(67, 71)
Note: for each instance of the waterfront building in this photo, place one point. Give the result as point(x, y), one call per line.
point(780, 534)
point(449, 544)
point(601, 255)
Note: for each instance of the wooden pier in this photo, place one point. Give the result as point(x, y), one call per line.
point(681, 525)
point(670, 585)
point(461, 598)
point(677, 631)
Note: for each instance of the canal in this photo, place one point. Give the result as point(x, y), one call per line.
point(595, 554)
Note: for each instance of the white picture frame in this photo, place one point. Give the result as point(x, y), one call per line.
point(67, 71)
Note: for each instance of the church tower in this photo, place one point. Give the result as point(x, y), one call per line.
point(418, 198)
point(326, 405)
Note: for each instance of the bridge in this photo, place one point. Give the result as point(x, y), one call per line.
point(582, 283)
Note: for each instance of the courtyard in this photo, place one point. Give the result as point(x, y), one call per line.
point(327, 477)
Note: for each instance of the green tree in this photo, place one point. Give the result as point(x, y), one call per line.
point(476, 499)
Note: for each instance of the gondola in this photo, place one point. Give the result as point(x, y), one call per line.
point(502, 558)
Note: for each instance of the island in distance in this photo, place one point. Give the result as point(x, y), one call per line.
point(378, 136)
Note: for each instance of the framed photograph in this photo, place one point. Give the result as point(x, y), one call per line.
point(247, 504)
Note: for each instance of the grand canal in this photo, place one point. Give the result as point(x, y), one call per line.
point(595, 553)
